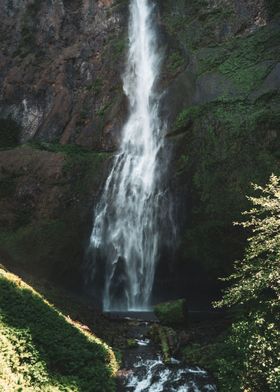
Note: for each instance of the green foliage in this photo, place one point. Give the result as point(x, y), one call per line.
point(232, 144)
point(31, 238)
point(259, 271)
point(246, 60)
point(194, 23)
point(246, 64)
point(35, 242)
point(187, 115)
point(9, 133)
point(255, 289)
point(175, 62)
point(41, 350)
point(116, 47)
point(221, 358)
point(170, 313)
point(245, 359)
point(165, 337)
point(131, 343)
point(81, 161)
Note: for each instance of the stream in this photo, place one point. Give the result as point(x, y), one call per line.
point(145, 371)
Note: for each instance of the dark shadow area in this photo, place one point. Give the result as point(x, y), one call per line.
point(9, 133)
point(272, 8)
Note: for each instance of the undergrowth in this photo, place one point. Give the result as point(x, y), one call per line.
point(42, 350)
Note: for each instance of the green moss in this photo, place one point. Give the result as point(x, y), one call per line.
point(42, 350)
point(187, 115)
point(194, 24)
point(81, 163)
point(9, 133)
point(116, 46)
point(35, 243)
point(173, 312)
point(175, 62)
point(166, 338)
point(163, 337)
point(49, 241)
point(96, 86)
point(245, 60)
point(232, 143)
point(246, 64)
point(131, 343)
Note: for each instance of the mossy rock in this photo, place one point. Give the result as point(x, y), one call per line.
point(131, 343)
point(172, 313)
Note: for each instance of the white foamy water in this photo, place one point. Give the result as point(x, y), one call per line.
point(155, 376)
point(125, 235)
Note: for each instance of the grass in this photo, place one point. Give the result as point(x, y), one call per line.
point(42, 350)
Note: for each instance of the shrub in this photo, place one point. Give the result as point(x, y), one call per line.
point(255, 294)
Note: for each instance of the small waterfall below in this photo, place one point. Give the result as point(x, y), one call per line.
point(144, 369)
point(155, 376)
point(125, 235)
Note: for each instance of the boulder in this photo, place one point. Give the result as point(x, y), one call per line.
point(172, 312)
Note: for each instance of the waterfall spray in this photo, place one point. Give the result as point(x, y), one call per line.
point(125, 234)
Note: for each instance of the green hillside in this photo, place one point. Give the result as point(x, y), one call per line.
point(42, 350)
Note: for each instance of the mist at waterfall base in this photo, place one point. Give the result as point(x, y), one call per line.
point(126, 235)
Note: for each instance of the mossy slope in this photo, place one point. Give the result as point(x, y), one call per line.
point(42, 350)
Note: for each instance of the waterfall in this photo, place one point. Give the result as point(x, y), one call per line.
point(125, 235)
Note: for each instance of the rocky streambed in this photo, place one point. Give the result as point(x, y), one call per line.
point(145, 366)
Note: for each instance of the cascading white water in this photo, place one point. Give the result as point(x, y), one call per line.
point(126, 231)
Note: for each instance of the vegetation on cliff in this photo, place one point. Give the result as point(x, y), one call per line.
point(223, 103)
point(42, 350)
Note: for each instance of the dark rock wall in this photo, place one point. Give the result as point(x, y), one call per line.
point(61, 63)
point(61, 92)
point(61, 111)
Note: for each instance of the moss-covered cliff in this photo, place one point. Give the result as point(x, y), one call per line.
point(222, 74)
point(61, 66)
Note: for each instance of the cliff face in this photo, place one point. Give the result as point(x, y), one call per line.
point(223, 105)
point(61, 91)
point(60, 69)
point(61, 109)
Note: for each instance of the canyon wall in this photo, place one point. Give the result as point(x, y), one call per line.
point(62, 108)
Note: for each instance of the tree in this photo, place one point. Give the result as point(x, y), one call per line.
point(255, 292)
